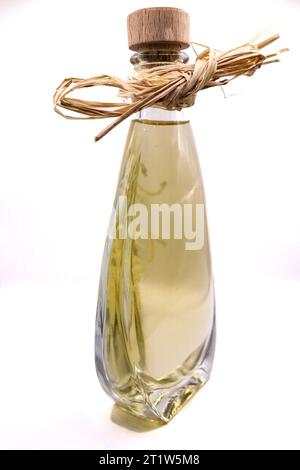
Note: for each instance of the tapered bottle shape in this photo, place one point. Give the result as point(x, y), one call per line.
point(155, 317)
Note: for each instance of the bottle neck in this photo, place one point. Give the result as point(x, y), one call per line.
point(153, 58)
point(160, 115)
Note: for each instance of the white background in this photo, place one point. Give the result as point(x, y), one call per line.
point(56, 193)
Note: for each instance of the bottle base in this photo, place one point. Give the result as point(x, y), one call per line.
point(127, 418)
point(161, 404)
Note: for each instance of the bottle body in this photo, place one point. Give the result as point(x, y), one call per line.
point(155, 324)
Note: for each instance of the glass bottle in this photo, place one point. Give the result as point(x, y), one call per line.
point(155, 325)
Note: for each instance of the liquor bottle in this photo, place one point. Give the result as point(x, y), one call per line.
point(155, 324)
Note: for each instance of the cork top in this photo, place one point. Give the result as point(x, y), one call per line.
point(158, 27)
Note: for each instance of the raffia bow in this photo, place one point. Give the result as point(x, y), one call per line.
point(169, 86)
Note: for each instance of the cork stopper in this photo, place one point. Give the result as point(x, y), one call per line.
point(164, 27)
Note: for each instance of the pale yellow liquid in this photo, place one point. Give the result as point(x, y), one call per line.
point(156, 304)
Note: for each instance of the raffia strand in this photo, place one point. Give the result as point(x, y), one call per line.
point(170, 86)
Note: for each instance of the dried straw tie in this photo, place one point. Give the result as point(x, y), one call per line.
point(169, 86)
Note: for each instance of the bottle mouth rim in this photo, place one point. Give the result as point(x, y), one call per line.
point(158, 56)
